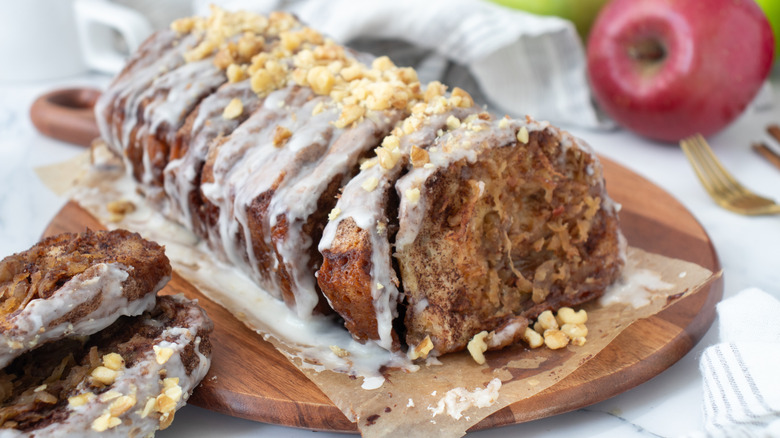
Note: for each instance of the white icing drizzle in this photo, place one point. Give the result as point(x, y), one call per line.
point(231, 287)
point(182, 174)
point(169, 100)
point(250, 164)
point(141, 68)
point(505, 335)
point(368, 208)
point(102, 281)
point(457, 400)
point(636, 287)
point(296, 202)
point(143, 379)
point(165, 53)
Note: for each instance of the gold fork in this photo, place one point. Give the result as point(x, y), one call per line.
point(719, 183)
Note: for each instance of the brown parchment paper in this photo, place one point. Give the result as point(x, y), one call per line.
point(405, 405)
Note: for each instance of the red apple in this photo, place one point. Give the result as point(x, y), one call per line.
point(667, 69)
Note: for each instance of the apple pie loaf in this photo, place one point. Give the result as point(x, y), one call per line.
point(341, 184)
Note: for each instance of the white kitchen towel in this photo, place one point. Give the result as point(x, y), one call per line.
point(517, 63)
point(742, 373)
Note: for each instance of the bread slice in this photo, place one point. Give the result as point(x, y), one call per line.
point(357, 274)
point(76, 284)
point(128, 379)
point(510, 218)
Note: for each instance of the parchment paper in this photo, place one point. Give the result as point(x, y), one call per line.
point(407, 402)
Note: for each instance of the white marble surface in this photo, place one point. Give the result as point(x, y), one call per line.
point(668, 405)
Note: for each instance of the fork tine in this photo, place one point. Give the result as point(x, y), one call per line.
point(694, 157)
point(729, 181)
point(723, 182)
point(720, 184)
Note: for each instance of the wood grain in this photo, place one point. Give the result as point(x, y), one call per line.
point(250, 379)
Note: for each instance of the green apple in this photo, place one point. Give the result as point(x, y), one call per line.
point(581, 12)
point(772, 10)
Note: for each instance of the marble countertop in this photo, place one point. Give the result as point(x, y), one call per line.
point(667, 405)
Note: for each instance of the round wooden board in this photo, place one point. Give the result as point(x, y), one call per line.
point(250, 379)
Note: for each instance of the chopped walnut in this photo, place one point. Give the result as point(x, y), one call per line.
point(334, 214)
point(575, 330)
point(318, 108)
point(261, 81)
point(105, 422)
point(461, 98)
point(555, 339)
point(452, 122)
point(149, 407)
point(382, 63)
point(418, 156)
point(433, 90)
point(109, 395)
point(547, 320)
point(235, 73)
point(121, 405)
point(183, 25)
point(113, 361)
point(567, 315)
point(225, 57)
point(477, 347)
point(233, 109)
point(349, 114)
point(338, 351)
point(248, 46)
point(165, 404)
point(81, 399)
point(370, 184)
point(421, 350)
point(533, 338)
point(371, 162)
point(104, 375)
point(522, 135)
point(281, 135)
point(320, 80)
point(412, 195)
point(162, 354)
point(166, 420)
point(352, 72)
point(391, 142)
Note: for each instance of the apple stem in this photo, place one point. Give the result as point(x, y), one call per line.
point(648, 50)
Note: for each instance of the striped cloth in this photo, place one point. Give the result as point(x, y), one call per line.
point(517, 63)
point(742, 374)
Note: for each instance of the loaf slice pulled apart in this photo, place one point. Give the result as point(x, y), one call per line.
point(76, 284)
point(510, 218)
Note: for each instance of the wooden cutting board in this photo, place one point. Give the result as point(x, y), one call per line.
point(250, 379)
